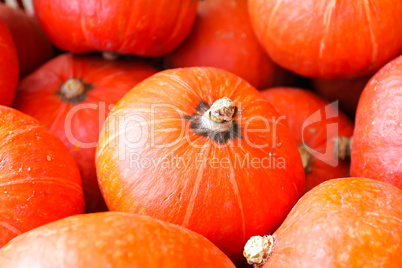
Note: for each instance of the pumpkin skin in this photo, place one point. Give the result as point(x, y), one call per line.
point(33, 47)
point(8, 67)
point(209, 191)
point(329, 39)
point(112, 239)
point(350, 222)
point(105, 83)
point(223, 37)
point(377, 143)
point(298, 105)
point(346, 91)
point(39, 180)
point(141, 27)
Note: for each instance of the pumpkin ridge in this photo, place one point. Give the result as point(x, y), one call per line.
point(11, 228)
point(236, 191)
point(194, 192)
point(64, 182)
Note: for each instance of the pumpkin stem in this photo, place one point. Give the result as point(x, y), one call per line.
point(258, 249)
point(220, 115)
point(343, 147)
point(72, 88)
point(110, 55)
point(307, 159)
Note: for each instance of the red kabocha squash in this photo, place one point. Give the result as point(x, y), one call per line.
point(346, 91)
point(329, 38)
point(350, 222)
point(33, 47)
point(112, 239)
point(39, 180)
point(223, 37)
point(316, 126)
point(71, 96)
point(201, 148)
point(377, 140)
point(8, 66)
point(141, 27)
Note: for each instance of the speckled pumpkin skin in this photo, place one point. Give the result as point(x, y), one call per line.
point(39, 179)
point(350, 222)
point(112, 239)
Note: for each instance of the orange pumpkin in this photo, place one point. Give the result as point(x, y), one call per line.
point(75, 94)
point(223, 37)
point(39, 180)
point(8, 66)
point(112, 239)
point(141, 27)
point(317, 140)
point(201, 148)
point(377, 140)
point(328, 38)
point(33, 47)
point(350, 222)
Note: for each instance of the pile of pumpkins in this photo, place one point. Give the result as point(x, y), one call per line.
point(214, 133)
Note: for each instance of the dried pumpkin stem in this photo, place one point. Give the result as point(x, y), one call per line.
point(343, 147)
point(110, 55)
point(307, 159)
point(258, 249)
point(72, 88)
point(220, 115)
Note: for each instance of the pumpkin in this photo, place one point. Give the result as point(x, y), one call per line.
point(74, 94)
point(328, 38)
point(201, 148)
point(141, 27)
point(33, 47)
point(223, 37)
point(39, 180)
point(377, 143)
point(316, 126)
point(112, 239)
point(346, 91)
point(352, 222)
point(8, 67)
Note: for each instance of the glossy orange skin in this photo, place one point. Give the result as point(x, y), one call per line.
point(33, 47)
point(350, 222)
point(112, 239)
point(223, 37)
point(110, 80)
point(329, 38)
point(39, 180)
point(377, 142)
point(346, 91)
point(227, 203)
point(141, 27)
point(8, 67)
point(298, 105)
